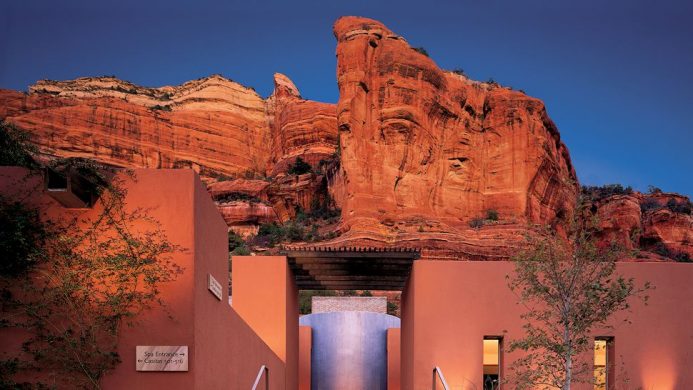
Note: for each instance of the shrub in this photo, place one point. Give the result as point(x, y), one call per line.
point(21, 237)
point(653, 190)
point(15, 148)
point(274, 233)
point(305, 298)
point(392, 308)
point(237, 245)
point(649, 204)
point(459, 71)
point(421, 50)
point(595, 193)
point(161, 108)
point(323, 209)
point(662, 250)
point(492, 215)
point(299, 167)
point(476, 223)
point(683, 207)
point(237, 196)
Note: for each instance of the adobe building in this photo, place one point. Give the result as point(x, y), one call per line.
point(457, 316)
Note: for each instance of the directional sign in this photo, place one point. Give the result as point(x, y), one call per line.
point(214, 286)
point(162, 358)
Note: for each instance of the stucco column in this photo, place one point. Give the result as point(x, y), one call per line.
point(265, 296)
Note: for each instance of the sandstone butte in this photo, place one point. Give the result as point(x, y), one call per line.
point(411, 153)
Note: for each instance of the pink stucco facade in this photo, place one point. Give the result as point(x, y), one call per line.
point(449, 307)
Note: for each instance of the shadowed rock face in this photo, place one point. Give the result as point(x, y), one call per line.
point(661, 223)
point(411, 153)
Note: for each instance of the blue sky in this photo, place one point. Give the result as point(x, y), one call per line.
point(616, 76)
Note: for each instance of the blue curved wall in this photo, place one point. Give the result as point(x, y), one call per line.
point(349, 349)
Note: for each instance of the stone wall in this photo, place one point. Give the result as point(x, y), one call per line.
point(333, 304)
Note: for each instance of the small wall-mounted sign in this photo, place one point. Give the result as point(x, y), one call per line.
point(214, 286)
point(162, 358)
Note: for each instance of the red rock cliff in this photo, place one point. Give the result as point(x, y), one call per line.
point(432, 149)
point(414, 155)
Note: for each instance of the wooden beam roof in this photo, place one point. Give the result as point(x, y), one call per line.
point(350, 268)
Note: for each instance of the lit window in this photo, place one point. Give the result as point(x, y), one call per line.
point(601, 363)
point(491, 363)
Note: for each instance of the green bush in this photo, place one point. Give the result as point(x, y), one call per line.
point(299, 167)
point(237, 196)
point(15, 147)
point(491, 215)
point(22, 235)
point(305, 299)
point(683, 207)
point(421, 50)
point(649, 204)
point(459, 71)
point(653, 190)
point(662, 250)
point(476, 223)
point(392, 308)
point(596, 193)
point(237, 245)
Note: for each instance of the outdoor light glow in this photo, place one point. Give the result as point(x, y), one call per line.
point(600, 359)
point(491, 352)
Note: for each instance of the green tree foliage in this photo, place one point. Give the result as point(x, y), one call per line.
point(305, 299)
point(237, 246)
point(569, 286)
point(22, 236)
point(299, 167)
point(89, 277)
point(15, 147)
point(491, 215)
point(601, 192)
point(421, 50)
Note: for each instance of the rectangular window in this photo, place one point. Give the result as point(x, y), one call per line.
point(492, 362)
point(602, 362)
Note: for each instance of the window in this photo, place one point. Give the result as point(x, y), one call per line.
point(602, 362)
point(491, 361)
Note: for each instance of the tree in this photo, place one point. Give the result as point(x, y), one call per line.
point(568, 284)
point(299, 167)
point(15, 147)
point(83, 280)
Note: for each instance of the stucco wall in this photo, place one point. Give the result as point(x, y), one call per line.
point(266, 297)
point(393, 359)
point(448, 308)
point(305, 340)
point(224, 352)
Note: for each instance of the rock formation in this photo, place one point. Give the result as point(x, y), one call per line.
point(217, 127)
point(412, 154)
point(659, 222)
point(432, 150)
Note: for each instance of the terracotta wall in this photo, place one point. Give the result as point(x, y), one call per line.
point(224, 352)
point(393, 359)
point(305, 341)
point(266, 297)
point(448, 308)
